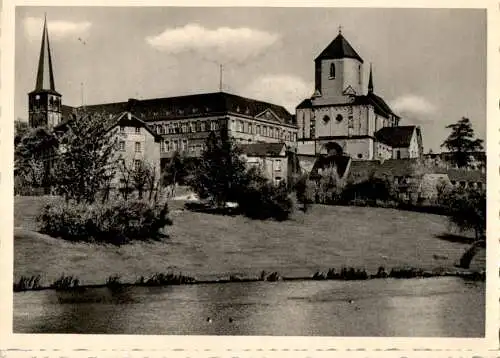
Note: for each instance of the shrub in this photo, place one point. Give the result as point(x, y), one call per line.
point(65, 283)
point(115, 223)
point(27, 283)
point(304, 190)
point(263, 200)
point(161, 279)
point(374, 188)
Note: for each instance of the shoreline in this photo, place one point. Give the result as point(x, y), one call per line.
point(116, 285)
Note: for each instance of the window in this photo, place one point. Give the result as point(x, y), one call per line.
point(137, 147)
point(398, 154)
point(278, 165)
point(312, 130)
point(359, 74)
point(122, 146)
point(339, 118)
point(332, 71)
point(122, 129)
point(137, 130)
point(168, 146)
point(258, 129)
point(184, 144)
point(137, 163)
point(326, 119)
point(360, 155)
point(162, 146)
point(250, 129)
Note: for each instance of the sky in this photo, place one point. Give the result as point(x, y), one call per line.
point(428, 64)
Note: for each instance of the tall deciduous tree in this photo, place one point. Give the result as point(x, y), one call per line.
point(221, 174)
point(86, 159)
point(32, 157)
point(21, 128)
point(461, 142)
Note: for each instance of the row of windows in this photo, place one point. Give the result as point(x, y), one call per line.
point(263, 130)
point(180, 145)
point(137, 146)
point(186, 127)
point(137, 130)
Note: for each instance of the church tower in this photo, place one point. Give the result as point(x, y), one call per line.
point(338, 73)
point(44, 101)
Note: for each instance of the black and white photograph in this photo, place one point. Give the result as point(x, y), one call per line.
point(250, 171)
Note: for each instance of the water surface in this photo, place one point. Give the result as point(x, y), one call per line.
point(433, 307)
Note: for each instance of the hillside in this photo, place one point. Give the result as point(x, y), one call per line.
point(208, 246)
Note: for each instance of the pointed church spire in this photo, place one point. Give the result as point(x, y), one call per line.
point(45, 75)
point(370, 81)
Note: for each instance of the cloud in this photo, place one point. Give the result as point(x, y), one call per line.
point(284, 90)
point(413, 105)
point(223, 44)
point(57, 29)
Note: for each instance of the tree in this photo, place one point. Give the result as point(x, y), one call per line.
point(461, 142)
point(175, 171)
point(221, 173)
point(33, 156)
point(86, 159)
point(467, 210)
point(125, 178)
point(21, 128)
point(140, 174)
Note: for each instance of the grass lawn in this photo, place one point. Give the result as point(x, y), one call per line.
point(207, 246)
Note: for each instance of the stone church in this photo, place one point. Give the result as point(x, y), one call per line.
point(341, 118)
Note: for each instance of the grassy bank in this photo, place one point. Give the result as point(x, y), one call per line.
point(208, 246)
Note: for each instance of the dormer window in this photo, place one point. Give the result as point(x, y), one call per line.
point(332, 71)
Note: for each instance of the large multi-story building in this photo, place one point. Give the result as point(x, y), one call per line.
point(341, 118)
point(185, 122)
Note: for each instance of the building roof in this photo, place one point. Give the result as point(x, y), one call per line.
point(307, 103)
point(45, 74)
point(262, 149)
point(124, 120)
point(378, 103)
point(338, 48)
point(459, 175)
point(196, 105)
point(392, 167)
point(111, 122)
point(396, 137)
point(380, 106)
point(340, 162)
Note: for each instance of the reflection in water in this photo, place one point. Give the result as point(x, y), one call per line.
point(419, 307)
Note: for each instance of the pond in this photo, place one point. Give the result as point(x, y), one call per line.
point(432, 307)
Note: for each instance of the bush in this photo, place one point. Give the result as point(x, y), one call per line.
point(27, 283)
point(263, 200)
point(65, 283)
point(114, 223)
point(305, 190)
point(374, 188)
